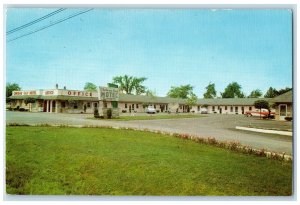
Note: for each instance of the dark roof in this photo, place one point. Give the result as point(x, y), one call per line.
point(25, 96)
point(283, 98)
point(55, 97)
point(229, 101)
point(149, 99)
point(63, 97)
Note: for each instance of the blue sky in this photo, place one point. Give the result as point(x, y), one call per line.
point(170, 47)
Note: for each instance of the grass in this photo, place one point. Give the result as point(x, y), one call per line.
point(103, 161)
point(152, 117)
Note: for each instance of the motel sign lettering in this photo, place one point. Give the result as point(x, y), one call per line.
point(31, 92)
point(111, 94)
point(79, 93)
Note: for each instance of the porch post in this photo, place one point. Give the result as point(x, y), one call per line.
point(56, 106)
point(47, 108)
point(51, 106)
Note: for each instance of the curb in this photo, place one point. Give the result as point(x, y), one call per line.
point(286, 133)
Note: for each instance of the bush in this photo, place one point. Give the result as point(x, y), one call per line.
point(23, 109)
point(17, 108)
point(10, 108)
point(96, 113)
point(288, 118)
point(109, 113)
point(157, 111)
point(124, 111)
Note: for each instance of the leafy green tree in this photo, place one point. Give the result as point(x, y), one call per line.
point(260, 104)
point(150, 93)
point(128, 84)
point(192, 100)
point(233, 90)
point(210, 91)
point(90, 87)
point(255, 94)
point(180, 92)
point(10, 87)
point(284, 90)
point(271, 93)
point(137, 84)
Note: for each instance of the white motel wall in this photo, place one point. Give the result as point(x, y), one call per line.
point(76, 101)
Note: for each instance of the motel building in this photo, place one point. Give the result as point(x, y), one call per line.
point(76, 101)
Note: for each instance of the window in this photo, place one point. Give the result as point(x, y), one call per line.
point(125, 105)
point(88, 105)
point(213, 108)
point(75, 105)
point(95, 104)
point(225, 107)
point(133, 106)
point(218, 107)
point(154, 106)
point(198, 108)
point(231, 109)
point(63, 104)
point(236, 109)
point(137, 105)
point(250, 108)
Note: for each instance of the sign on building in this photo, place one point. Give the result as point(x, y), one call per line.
point(109, 94)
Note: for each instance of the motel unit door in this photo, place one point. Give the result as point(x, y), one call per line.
point(282, 111)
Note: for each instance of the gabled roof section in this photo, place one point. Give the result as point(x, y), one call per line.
point(229, 101)
point(149, 99)
point(284, 98)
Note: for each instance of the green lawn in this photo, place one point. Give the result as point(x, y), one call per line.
point(154, 117)
point(103, 161)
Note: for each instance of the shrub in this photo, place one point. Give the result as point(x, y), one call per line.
point(211, 140)
point(17, 108)
point(22, 109)
point(96, 113)
point(124, 111)
point(109, 113)
point(29, 100)
point(157, 111)
point(10, 108)
point(288, 118)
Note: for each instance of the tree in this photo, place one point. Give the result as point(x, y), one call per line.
point(192, 100)
point(90, 87)
point(284, 90)
point(271, 93)
point(137, 84)
point(180, 92)
point(128, 84)
point(150, 93)
point(260, 104)
point(255, 94)
point(210, 91)
point(10, 87)
point(233, 90)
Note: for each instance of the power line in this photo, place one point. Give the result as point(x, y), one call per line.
point(51, 24)
point(35, 21)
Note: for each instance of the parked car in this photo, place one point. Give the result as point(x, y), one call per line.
point(262, 113)
point(204, 111)
point(150, 110)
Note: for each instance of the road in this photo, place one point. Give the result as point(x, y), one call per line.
point(222, 127)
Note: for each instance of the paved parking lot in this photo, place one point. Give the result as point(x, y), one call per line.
point(222, 127)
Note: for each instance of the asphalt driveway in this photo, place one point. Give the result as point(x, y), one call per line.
point(222, 127)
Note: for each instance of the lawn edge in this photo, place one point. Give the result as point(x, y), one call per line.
point(231, 145)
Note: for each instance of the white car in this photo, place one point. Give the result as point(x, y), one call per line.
point(150, 110)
